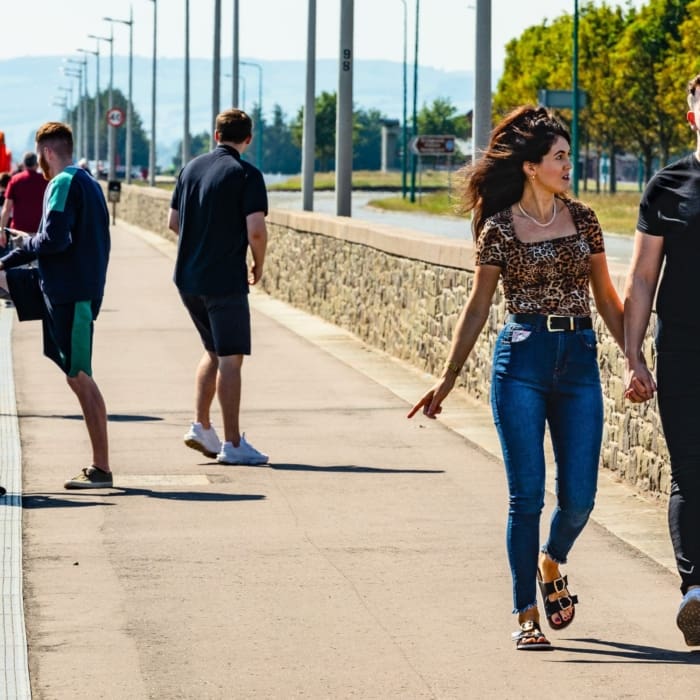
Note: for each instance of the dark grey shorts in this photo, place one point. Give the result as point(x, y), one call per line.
point(67, 328)
point(223, 322)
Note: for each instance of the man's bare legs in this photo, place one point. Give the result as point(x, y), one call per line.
point(205, 388)
point(228, 389)
point(220, 377)
point(95, 414)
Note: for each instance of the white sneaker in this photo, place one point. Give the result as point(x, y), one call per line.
point(245, 453)
point(205, 441)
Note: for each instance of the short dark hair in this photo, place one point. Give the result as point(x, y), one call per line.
point(29, 159)
point(57, 135)
point(5, 179)
point(234, 125)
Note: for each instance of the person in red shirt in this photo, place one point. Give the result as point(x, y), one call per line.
point(24, 198)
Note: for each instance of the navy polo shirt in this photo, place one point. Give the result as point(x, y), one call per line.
point(214, 194)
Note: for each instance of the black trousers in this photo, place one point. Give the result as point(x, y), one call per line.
point(678, 378)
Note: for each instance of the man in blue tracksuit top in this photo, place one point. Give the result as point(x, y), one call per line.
point(65, 288)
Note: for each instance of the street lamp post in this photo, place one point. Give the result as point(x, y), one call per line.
point(216, 68)
point(235, 74)
point(404, 129)
point(129, 110)
point(81, 73)
point(152, 149)
point(110, 130)
point(68, 96)
point(186, 118)
point(96, 147)
point(415, 102)
point(259, 125)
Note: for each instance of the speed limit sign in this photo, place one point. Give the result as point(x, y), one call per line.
point(115, 116)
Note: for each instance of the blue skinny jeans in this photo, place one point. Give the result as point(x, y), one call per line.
point(546, 378)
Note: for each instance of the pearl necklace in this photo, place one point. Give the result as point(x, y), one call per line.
point(534, 220)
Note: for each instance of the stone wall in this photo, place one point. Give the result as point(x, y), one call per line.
point(402, 292)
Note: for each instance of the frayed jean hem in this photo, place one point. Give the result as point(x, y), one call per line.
point(525, 609)
point(556, 560)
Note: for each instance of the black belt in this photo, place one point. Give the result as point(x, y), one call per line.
point(553, 323)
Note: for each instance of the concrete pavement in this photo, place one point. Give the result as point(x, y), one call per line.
point(366, 561)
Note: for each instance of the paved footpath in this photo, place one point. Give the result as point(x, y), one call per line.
point(366, 561)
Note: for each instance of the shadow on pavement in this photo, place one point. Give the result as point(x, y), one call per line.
point(112, 417)
point(351, 469)
point(620, 652)
point(55, 501)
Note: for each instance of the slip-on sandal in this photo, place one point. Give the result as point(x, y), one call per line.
point(563, 601)
point(530, 638)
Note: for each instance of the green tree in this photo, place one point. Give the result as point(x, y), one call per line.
point(325, 129)
point(367, 139)
point(199, 143)
point(281, 155)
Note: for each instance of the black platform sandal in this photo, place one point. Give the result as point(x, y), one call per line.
point(530, 637)
point(562, 602)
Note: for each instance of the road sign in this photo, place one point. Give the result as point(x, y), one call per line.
point(561, 99)
point(433, 145)
point(115, 116)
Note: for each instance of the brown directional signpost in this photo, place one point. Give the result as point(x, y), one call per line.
point(433, 145)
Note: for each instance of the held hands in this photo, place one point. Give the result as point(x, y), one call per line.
point(640, 382)
point(431, 401)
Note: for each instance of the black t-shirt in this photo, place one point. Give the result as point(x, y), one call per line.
point(214, 194)
point(670, 207)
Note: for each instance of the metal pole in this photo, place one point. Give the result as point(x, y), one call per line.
point(308, 139)
point(574, 117)
point(404, 128)
point(414, 160)
point(129, 114)
point(129, 107)
point(481, 126)
point(216, 77)
point(96, 141)
point(235, 68)
point(343, 130)
point(111, 132)
point(152, 149)
point(186, 122)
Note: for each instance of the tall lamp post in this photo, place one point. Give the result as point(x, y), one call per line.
point(415, 102)
point(152, 149)
point(96, 54)
point(81, 73)
point(404, 129)
point(68, 96)
point(216, 67)
point(186, 118)
point(259, 125)
point(129, 109)
point(110, 130)
point(235, 74)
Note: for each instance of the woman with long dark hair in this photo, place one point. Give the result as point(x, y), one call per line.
point(548, 250)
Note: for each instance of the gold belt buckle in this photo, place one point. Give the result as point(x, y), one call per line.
point(559, 330)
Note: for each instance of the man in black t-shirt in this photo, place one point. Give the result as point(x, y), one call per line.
point(218, 210)
point(668, 231)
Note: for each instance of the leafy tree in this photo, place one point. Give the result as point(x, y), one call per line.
point(199, 143)
point(281, 155)
point(367, 139)
point(325, 129)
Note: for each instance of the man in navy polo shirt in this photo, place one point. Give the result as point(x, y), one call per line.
point(218, 210)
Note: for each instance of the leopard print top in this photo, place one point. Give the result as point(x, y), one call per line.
point(546, 277)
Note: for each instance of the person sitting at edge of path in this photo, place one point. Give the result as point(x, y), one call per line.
point(24, 198)
point(668, 235)
point(66, 287)
point(218, 210)
point(548, 249)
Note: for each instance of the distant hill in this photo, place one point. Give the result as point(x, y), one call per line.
point(29, 85)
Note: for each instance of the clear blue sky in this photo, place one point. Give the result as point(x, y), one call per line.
point(275, 29)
